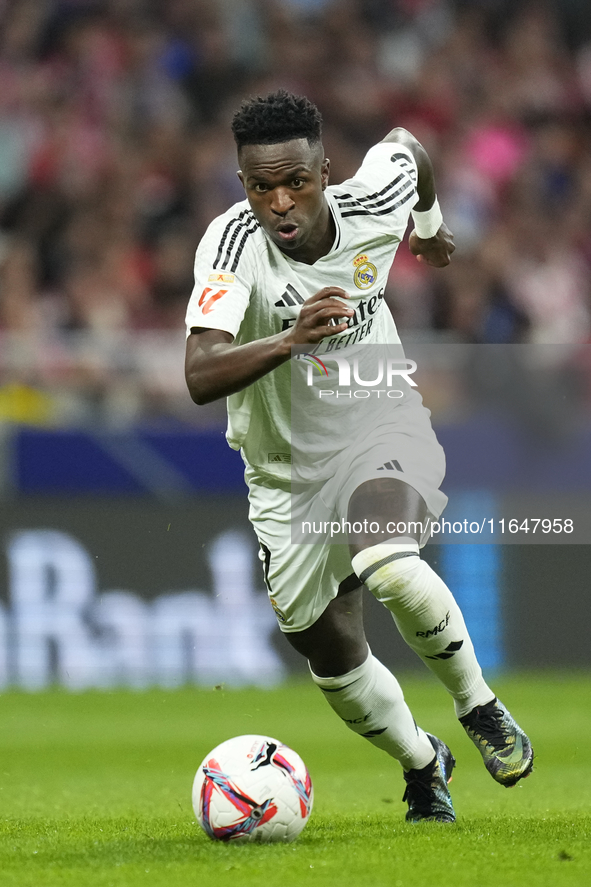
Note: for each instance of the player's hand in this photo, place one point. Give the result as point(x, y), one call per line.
point(435, 251)
point(323, 314)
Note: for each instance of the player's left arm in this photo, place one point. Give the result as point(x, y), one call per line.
point(431, 241)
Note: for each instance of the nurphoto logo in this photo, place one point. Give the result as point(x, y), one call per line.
point(384, 371)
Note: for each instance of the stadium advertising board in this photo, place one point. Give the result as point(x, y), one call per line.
point(131, 592)
point(106, 593)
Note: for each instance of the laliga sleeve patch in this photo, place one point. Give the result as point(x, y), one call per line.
point(206, 302)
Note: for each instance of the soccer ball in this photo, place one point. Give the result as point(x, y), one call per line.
point(252, 788)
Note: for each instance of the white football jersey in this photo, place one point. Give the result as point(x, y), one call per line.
point(245, 285)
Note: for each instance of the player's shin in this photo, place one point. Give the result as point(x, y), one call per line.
point(370, 702)
point(427, 617)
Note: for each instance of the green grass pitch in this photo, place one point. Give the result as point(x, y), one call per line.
point(95, 791)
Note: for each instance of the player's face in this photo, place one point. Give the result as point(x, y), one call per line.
point(285, 185)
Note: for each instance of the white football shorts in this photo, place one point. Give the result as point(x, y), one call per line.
point(302, 577)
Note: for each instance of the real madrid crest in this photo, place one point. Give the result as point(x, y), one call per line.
point(279, 613)
point(365, 274)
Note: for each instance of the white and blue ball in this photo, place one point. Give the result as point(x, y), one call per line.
point(252, 788)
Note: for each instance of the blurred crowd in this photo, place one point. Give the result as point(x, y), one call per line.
point(116, 152)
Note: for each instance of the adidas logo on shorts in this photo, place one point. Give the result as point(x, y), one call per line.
point(390, 466)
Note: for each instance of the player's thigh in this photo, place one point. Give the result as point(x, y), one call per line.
point(382, 509)
point(336, 643)
point(301, 579)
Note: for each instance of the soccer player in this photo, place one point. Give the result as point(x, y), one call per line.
point(301, 264)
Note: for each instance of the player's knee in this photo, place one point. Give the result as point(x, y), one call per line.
point(346, 658)
point(343, 679)
point(391, 571)
point(336, 643)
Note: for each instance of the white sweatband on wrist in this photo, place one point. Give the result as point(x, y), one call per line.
point(427, 224)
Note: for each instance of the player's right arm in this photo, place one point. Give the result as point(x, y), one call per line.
point(215, 367)
point(435, 250)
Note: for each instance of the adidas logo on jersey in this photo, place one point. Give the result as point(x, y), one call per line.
point(393, 465)
point(290, 297)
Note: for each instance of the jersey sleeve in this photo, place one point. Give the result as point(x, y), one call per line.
point(223, 279)
point(385, 185)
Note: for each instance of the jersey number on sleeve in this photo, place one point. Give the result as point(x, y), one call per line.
point(206, 304)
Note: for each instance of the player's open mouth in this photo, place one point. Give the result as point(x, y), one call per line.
point(287, 232)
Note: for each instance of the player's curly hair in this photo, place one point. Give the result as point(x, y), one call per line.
point(277, 117)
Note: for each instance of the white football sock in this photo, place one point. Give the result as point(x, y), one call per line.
point(427, 617)
point(370, 701)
